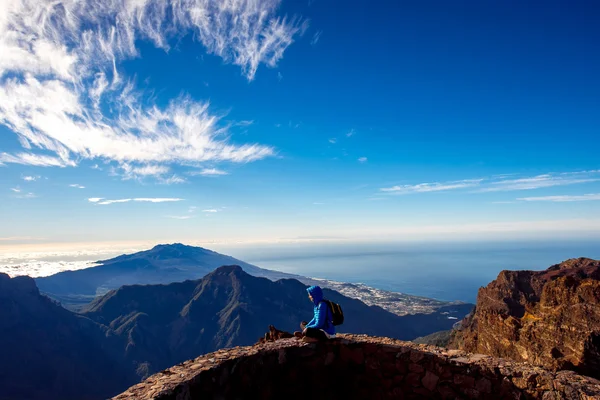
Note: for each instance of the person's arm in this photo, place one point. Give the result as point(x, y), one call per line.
point(320, 314)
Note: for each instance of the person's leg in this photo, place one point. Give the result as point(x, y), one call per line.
point(314, 333)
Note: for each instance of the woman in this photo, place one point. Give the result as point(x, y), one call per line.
point(321, 326)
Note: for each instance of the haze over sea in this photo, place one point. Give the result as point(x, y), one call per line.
point(445, 271)
point(441, 270)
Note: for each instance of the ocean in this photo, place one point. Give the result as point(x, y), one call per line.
point(444, 271)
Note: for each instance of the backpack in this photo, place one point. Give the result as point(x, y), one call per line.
point(337, 315)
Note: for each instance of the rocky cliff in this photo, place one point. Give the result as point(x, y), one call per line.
point(357, 367)
point(549, 318)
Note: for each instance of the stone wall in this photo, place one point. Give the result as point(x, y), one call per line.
point(358, 367)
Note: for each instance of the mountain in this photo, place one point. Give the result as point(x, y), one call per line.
point(550, 318)
point(178, 262)
point(163, 325)
point(50, 353)
point(161, 264)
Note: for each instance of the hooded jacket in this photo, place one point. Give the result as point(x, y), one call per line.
point(323, 318)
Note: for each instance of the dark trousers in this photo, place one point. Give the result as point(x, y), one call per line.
point(315, 334)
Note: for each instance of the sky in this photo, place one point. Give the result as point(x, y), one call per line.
point(269, 121)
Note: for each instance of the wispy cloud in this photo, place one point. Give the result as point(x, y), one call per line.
point(350, 133)
point(16, 190)
point(333, 140)
point(77, 186)
point(60, 71)
point(244, 123)
point(432, 187)
point(209, 172)
point(316, 37)
point(28, 195)
point(565, 198)
point(180, 216)
point(501, 183)
point(210, 210)
point(30, 158)
point(29, 178)
point(541, 181)
point(363, 160)
point(102, 201)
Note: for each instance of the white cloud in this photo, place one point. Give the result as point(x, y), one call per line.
point(541, 181)
point(333, 140)
point(30, 158)
point(316, 37)
point(362, 160)
point(171, 180)
point(432, 187)
point(59, 73)
point(180, 216)
point(77, 186)
point(16, 190)
point(350, 133)
point(211, 210)
point(102, 201)
point(30, 178)
point(209, 172)
point(500, 183)
point(244, 123)
point(29, 195)
point(565, 198)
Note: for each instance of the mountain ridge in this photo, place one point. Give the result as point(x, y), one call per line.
point(166, 263)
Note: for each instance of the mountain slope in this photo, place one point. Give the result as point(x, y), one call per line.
point(50, 353)
point(167, 324)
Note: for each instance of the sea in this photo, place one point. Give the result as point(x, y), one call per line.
point(441, 270)
point(444, 271)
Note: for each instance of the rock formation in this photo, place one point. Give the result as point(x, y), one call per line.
point(357, 367)
point(549, 318)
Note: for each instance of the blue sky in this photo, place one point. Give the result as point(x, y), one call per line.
point(314, 119)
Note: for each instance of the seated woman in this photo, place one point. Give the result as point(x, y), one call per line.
point(321, 326)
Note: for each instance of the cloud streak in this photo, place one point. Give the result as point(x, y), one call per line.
point(564, 198)
point(209, 172)
point(499, 183)
point(102, 201)
point(59, 73)
point(432, 187)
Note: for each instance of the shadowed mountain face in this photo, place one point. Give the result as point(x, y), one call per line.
point(50, 353)
point(163, 325)
point(161, 264)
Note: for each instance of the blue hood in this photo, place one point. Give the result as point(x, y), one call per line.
point(316, 293)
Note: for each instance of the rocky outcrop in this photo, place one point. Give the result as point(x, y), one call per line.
point(549, 318)
point(357, 367)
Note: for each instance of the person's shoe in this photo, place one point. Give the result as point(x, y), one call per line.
point(307, 339)
point(298, 334)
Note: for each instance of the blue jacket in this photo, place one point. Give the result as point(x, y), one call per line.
point(323, 318)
